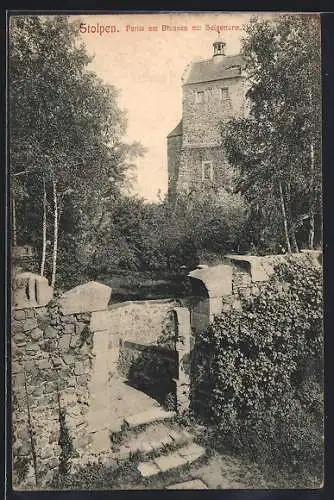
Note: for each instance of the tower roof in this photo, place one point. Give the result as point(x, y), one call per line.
point(176, 131)
point(208, 70)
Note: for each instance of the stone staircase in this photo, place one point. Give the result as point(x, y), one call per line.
point(161, 446)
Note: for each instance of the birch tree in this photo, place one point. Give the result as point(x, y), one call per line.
point(66, 126)
point(277, 146)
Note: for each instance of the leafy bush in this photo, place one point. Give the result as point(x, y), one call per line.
point(265, 371)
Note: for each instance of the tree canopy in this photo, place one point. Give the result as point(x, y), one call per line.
point(277, 146)
point(66, 127)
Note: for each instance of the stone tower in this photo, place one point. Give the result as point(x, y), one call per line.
point(213, 91)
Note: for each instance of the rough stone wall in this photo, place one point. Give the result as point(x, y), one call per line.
point(173, 156)
point(190, 171)
point(201, 120)
point(201, 139)
point(140, 321)
point(51, 368)
point(53, 364)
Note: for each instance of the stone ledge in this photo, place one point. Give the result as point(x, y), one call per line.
point(257, 271)
point(217, 279)
point(147, 417)
point(90, 297)
point(193, 484)
point(31, 290)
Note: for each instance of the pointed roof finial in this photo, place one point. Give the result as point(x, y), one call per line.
point(218, 45)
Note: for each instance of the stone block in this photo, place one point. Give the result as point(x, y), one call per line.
point(69, 359)
point(89, 297)
point(148, 469)
point(85, 317)
point(82, 379)
point(79, 327)
point(153, 415)
point(64, 342)
point(44, 291)
point(30, 313)
point(30, 365)
point(30, 347)
point(79, 368)
point(145, 448)
point(255, 264)
point(19, 315)
point(192, 451)
point(56, 361)
point(19, 338)
point(50, 332)
point(170, 461)
point(19, 379)
point(101, 320)
point(194, 484)
point(16, 367)
point(31, 290)
point(44, 364)
point(217, 280)
point(17, 326)
point(98, 420)
point(24, 449)
point(36, 334)
point(29, 324)
point(69, 328)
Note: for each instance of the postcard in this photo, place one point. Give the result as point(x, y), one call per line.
point(166, 231)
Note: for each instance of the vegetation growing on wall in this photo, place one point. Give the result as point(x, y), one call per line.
point(265, 373)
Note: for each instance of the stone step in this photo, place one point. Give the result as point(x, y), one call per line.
point(152, 440)
point(164, 463)
point(193, 484)
point(147, 417)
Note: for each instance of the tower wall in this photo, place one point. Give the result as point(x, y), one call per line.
point(174, 145)
point(201, 120)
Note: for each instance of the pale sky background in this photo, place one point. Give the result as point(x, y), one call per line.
point(147, 67)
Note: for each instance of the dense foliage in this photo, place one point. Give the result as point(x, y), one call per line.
point(70, 169)
point(277, 145)
point(265, 371)
point(67, 156)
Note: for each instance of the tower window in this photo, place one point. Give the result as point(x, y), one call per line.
point(207, 171)
point(199, 96)
point(224, 94)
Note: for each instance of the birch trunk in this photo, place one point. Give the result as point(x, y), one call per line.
point(285, 221)
point(294, 241)
point(44, 230)
point(55, 233)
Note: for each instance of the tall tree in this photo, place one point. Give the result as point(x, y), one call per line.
point(277, 145)
point(66, 126)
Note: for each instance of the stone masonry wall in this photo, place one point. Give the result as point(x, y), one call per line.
point(54, 351)
point(201, 139)
point(51, 368)
point(201, 120)
point(173, 154)
point(190, 170)
point(140, 321)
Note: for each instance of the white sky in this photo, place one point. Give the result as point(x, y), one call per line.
point(147, 68)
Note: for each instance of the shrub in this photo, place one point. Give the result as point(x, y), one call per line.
point(265, 371)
